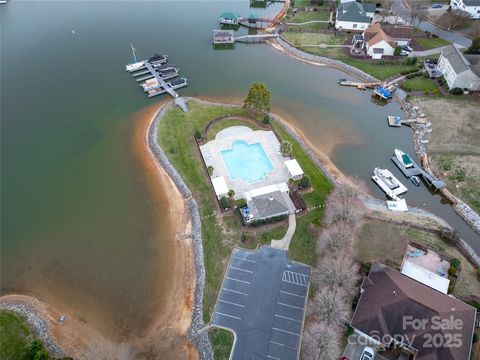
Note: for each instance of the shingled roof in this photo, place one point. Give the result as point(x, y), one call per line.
point(354, 11)
point(456, 59)
point(269, 205)
point(374, 34)
point(389, 296)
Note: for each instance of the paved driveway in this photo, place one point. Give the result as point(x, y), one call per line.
point(401, 10)
point(262, 300)
point(355, 346)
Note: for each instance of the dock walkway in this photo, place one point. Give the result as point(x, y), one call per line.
point(178, 100)
point(246, 38)
point(417, 170)
point(360, 85)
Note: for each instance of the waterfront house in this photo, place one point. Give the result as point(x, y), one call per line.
point(269, 202)
point(354, 16)
point(396, 312)
point(379, 41)
point(471, 7)
point(458, 71)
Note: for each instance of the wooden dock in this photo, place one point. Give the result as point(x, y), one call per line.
point(178, 100)
point(255, 38)
point(360, 85)
point(417, 170)
point(396, 121)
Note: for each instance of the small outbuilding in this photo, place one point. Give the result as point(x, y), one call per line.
point(294, 169)
point(220, 186)
point(223, 37)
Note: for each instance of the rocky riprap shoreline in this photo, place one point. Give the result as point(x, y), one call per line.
point(199, 338)
point(289, 48)
point(37, 324)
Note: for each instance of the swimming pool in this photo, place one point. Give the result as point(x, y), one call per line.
point(246, 162)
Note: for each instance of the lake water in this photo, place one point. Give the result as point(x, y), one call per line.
point(78, 222)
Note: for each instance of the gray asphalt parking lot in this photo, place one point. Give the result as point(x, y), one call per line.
point(262, 300)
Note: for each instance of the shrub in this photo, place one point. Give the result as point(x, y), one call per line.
point(266, 119)
point(474, 338)
point(210, 170)
point(456, 263)
point(198, 135)
point(456, 91)
point(426, 91)
point(305, 182)
point(452, 271)
point(224, 203)
point(449, 235)
point(397, 51)
point(411, 60)
point(451, 287)
point(425, 74)
point(435, 91)
point(445, 86)
point(475, 304)
point(460, 174)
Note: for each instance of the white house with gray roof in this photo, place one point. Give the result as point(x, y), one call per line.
point(458, 71)
point(354, 16)
point(472, 7)
point(269, 201)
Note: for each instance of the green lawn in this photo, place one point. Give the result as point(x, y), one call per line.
point(15, 336)
point(299, 39)
point(307, 3)
point(17, 341)
point(302, 16)
point(380, 70)
point(419, 83)
point(214, 129)
point(220, 234)
point(431, 43)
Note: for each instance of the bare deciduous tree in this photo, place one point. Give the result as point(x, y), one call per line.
point(340, 272)
point(343, 206)
point(336, 237)
point(320, 342)
point(418, 11)
point(330, 306)
point(453, 19)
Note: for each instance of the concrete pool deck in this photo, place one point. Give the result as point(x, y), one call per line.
point(212, 156)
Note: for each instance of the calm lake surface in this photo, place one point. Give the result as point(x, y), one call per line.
point(78, 223)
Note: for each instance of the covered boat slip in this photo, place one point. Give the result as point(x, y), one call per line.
point(417, 170)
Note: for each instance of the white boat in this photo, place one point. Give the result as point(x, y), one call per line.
point(136, 65)
point(388, 183)
point(403, 158)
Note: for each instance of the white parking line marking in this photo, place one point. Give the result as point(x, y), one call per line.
point(230, 278)
point(289, 293)
point(285, 331)
point(240, 258)
point(285, 317)
point(231, 316)
point(277, 343)
point(273, 357)
point(235, 291)
point(295, 307)
point(231, 303)
point(233, 267)
point(294, 278)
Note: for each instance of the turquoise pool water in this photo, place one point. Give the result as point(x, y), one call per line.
point(246, 162)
